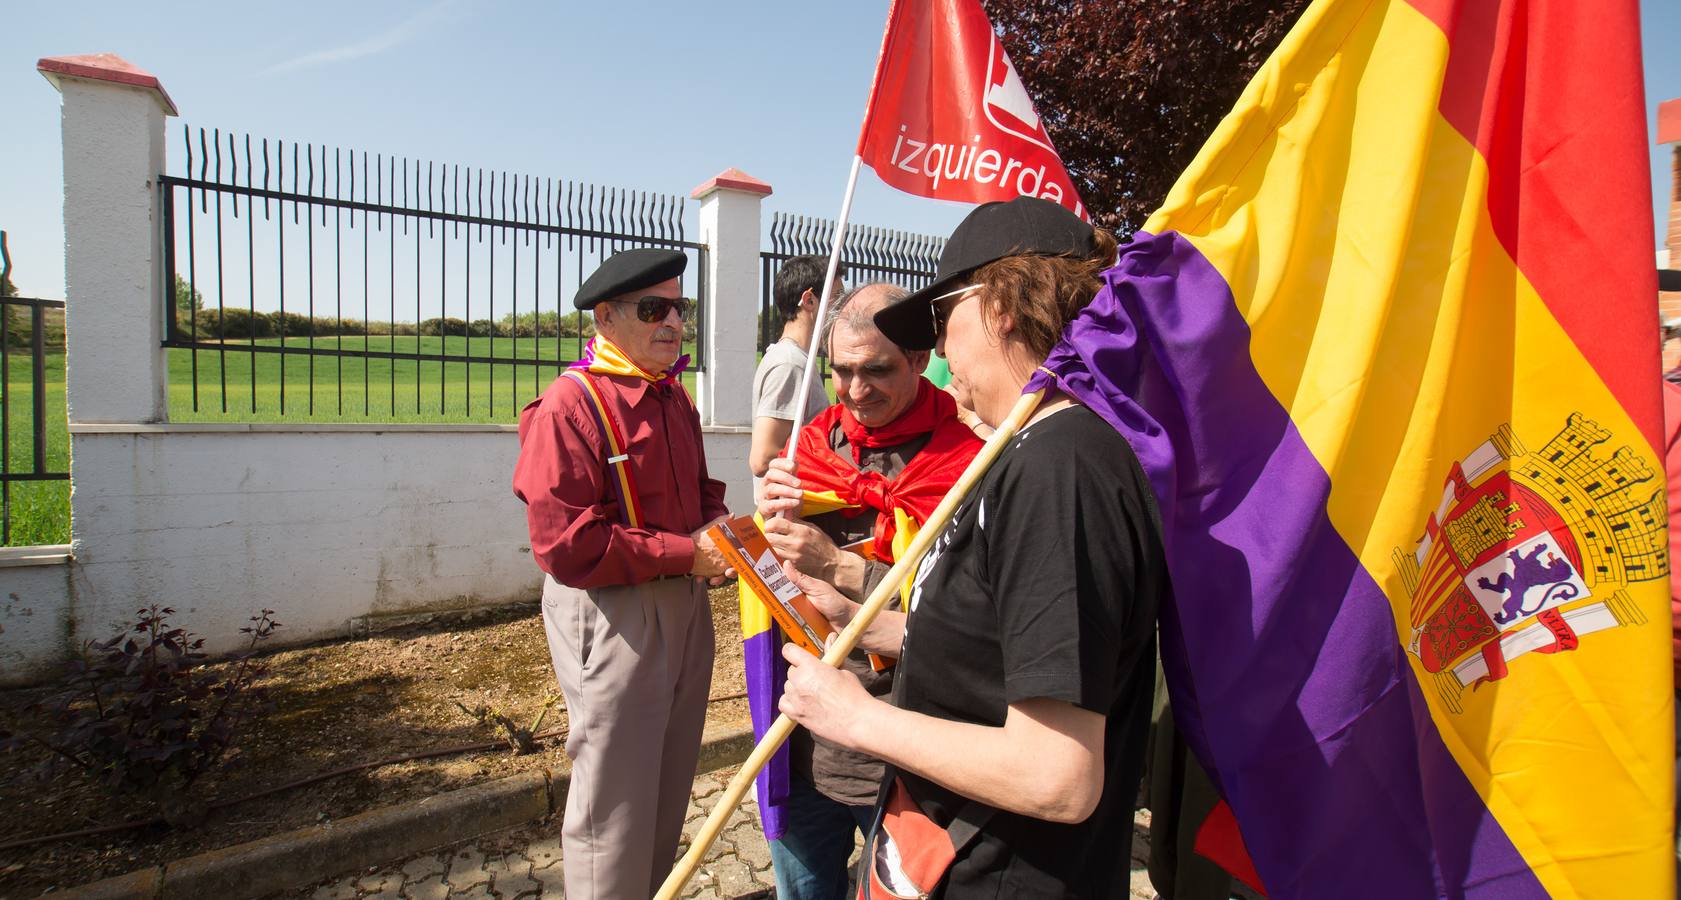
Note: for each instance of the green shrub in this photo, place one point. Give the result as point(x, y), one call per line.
point(289, 324)
point(232, 324)
point(443, 327)
point(142, 714)
point(20, 331)
point(574, 325)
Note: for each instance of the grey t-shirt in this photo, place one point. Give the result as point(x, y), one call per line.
point(776, 385)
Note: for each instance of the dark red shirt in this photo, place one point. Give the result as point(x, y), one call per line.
point(578, 532)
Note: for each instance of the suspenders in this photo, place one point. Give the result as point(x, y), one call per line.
point(618, 450)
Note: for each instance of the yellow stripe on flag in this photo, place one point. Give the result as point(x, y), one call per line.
point(1351, 222)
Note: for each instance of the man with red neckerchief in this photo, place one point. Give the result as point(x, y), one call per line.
point(613, 474)
point(869, 470)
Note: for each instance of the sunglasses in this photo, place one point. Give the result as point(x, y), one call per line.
point(655, 309)
point(943, 313)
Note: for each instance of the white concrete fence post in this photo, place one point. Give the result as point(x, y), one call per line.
point(113, 120)
point(729, 226)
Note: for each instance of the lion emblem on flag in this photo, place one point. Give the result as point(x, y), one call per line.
point(1530, 552)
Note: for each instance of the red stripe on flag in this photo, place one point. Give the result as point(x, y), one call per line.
point(949, 117)
point(1549, 92)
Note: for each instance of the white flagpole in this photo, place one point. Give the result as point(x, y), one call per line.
point(810, 372)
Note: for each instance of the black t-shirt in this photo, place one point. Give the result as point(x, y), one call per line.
point(842, 775)
point(1045, 584)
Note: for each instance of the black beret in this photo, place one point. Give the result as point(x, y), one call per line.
point(627, 271)
point(1022, 226)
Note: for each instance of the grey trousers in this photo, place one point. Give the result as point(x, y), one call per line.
point(635, 664)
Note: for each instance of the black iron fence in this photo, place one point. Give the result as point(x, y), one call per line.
point(344, 285)
point(870, 254)
point(34, 441)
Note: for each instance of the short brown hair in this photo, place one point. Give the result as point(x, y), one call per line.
point(1041, 294)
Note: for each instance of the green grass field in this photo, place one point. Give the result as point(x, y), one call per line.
point(345, 390)
point(349, 389)
point(39, 511)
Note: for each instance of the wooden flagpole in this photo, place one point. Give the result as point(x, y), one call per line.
point(848, 639)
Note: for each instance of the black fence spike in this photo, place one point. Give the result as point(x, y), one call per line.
point(405, 203)
point(542, 212)
point(478, 211)
point(525, 207)
point(502, 212)
point(589, 210)
point(614, 207)
point(233, 170)
point(323, 184)
point(379, 188)
point(203, 172)
point(265, 179)
point(295, 204)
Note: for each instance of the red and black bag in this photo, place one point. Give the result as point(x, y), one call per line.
point(907, 854)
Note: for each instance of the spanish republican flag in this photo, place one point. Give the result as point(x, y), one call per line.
point(1389, 354)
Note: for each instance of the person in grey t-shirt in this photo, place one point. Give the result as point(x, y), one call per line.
point(776, 383)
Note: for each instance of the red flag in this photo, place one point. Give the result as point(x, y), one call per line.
point(948, 116)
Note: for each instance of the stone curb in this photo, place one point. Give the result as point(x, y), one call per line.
point(303, 857)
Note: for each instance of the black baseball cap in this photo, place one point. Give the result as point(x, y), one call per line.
point(629, 270)
point(992, 231)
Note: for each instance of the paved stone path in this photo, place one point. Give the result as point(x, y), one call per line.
point(525, 862)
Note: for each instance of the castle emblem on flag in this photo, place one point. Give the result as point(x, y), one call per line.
point(1530, 552)
point(1006, 102)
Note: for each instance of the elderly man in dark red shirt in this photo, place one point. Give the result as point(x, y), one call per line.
point(613, 475)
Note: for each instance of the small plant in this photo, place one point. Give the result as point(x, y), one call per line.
point(141, 713)
point(520, 740)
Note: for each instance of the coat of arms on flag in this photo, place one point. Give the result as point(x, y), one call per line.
point(1529, 552)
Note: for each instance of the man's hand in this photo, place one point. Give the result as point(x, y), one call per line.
point(709, 562)
point(829, 601)
point(803, 544)
point(781, 492)
point(826, 700)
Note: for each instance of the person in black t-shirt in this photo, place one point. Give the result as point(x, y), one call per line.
point(1027, 657)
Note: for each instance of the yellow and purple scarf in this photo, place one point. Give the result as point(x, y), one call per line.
point(603, 357)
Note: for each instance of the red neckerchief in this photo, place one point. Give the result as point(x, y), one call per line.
point(918, 488)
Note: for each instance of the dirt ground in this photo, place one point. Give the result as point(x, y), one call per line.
point(337, 704)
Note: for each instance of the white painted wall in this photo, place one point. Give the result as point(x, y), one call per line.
point(35, 612)
point(325, 526)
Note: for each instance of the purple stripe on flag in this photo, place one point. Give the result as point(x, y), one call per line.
point(1288, 676)
point(766, 672)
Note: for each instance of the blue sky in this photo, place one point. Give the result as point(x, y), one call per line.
point(654, 96)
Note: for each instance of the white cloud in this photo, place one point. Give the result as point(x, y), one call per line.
point(395, 36)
